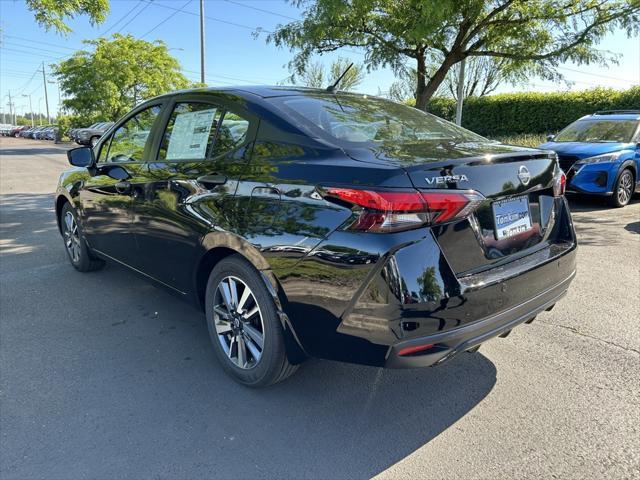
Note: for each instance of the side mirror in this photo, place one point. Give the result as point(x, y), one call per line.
point(550, 138)
point(81, 157)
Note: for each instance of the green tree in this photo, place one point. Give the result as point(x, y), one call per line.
point(535, 35)
point(51, 14)
point(316, 76)
point(109, 79)
point(482, 76)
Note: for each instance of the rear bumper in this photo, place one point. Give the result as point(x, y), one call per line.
point(398, 291)
point(448, 344)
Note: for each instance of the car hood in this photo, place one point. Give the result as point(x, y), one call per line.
point(422, 152)
point(584, 150)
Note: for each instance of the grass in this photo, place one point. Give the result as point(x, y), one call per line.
point(524, 140)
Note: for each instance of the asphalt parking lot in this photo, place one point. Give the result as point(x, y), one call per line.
point(104, 376)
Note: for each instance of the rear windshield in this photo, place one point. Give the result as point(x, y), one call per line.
point(354, 119)
point(598, 131)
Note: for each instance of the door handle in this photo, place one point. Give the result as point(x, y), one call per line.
point(123, 187)
point(213, 179)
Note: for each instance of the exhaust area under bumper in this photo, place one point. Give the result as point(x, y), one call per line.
point(446, 345)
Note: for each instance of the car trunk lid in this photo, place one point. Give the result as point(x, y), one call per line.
point(515, 218)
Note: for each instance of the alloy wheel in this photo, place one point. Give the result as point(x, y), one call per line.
point(625, 188)
point(72, 237)
point(238, 322)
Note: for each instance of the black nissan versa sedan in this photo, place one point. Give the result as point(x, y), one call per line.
point(333, 225)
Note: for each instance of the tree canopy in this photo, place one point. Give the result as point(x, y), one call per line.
point(52, 14)
point(315, 75)
point(109, 79)
point(533, 35)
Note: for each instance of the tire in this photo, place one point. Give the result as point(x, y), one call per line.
point(79, 254)
point(236, 336)
point(623, 190)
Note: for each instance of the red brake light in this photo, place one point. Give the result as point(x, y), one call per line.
point(446, 206)
point(388, 211)
point(384, 201)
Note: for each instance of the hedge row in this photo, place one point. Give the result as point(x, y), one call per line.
point(518, 113)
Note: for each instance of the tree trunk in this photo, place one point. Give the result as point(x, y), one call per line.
point(425, 90)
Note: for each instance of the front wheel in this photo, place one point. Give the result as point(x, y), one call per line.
point(244, 325)
point(623, 190)
point(76, 247)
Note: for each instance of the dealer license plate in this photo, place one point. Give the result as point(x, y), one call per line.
point(511, 217)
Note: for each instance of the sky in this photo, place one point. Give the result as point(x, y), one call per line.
point(234, 55)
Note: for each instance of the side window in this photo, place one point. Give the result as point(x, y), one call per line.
point(190, 132)
point(232, 132)
point(129, 139)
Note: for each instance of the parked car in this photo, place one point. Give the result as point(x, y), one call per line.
point(28, 132)
point(15, 131)
point(5, 128)
point(91, 135)
point(40, 134)
point(23, 133)
point(334, 225)
point(600, 154)
point(51, 133)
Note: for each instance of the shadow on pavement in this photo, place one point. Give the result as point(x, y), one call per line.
point(590, 228)
point(587, 203)
point(122, 382)
point(633, 227)
point(36, 150)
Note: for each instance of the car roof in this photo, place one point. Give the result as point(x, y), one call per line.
point(259, 91)
point(613, 115)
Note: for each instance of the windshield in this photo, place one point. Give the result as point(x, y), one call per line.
point(598, 131)
point(355, 119)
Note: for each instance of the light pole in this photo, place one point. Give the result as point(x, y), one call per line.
point(46, 97)
point(40, 110)
point(59, 95)
point(30, 108)
point(202, 41)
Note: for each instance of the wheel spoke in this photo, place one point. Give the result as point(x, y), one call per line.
point(222, 312)
point(251, 313)
point(233, 289)
point(222, 326)
point(242, 351)
point(233, 347)
point(254, 334)
point(226, 295)
point(243, 299)
point(68, 218)
point(252, 348)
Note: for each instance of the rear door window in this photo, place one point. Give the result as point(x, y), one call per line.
point(200, 131)
point(232, 133)
point(190, 132)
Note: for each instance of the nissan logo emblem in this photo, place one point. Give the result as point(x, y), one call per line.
point(524, 175)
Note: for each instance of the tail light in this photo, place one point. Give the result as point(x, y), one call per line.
point(392, 211)
point(559, 183)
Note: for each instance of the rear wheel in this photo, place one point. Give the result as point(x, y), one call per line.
point(623, 189)
point(77, 249)
point(244, 326)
